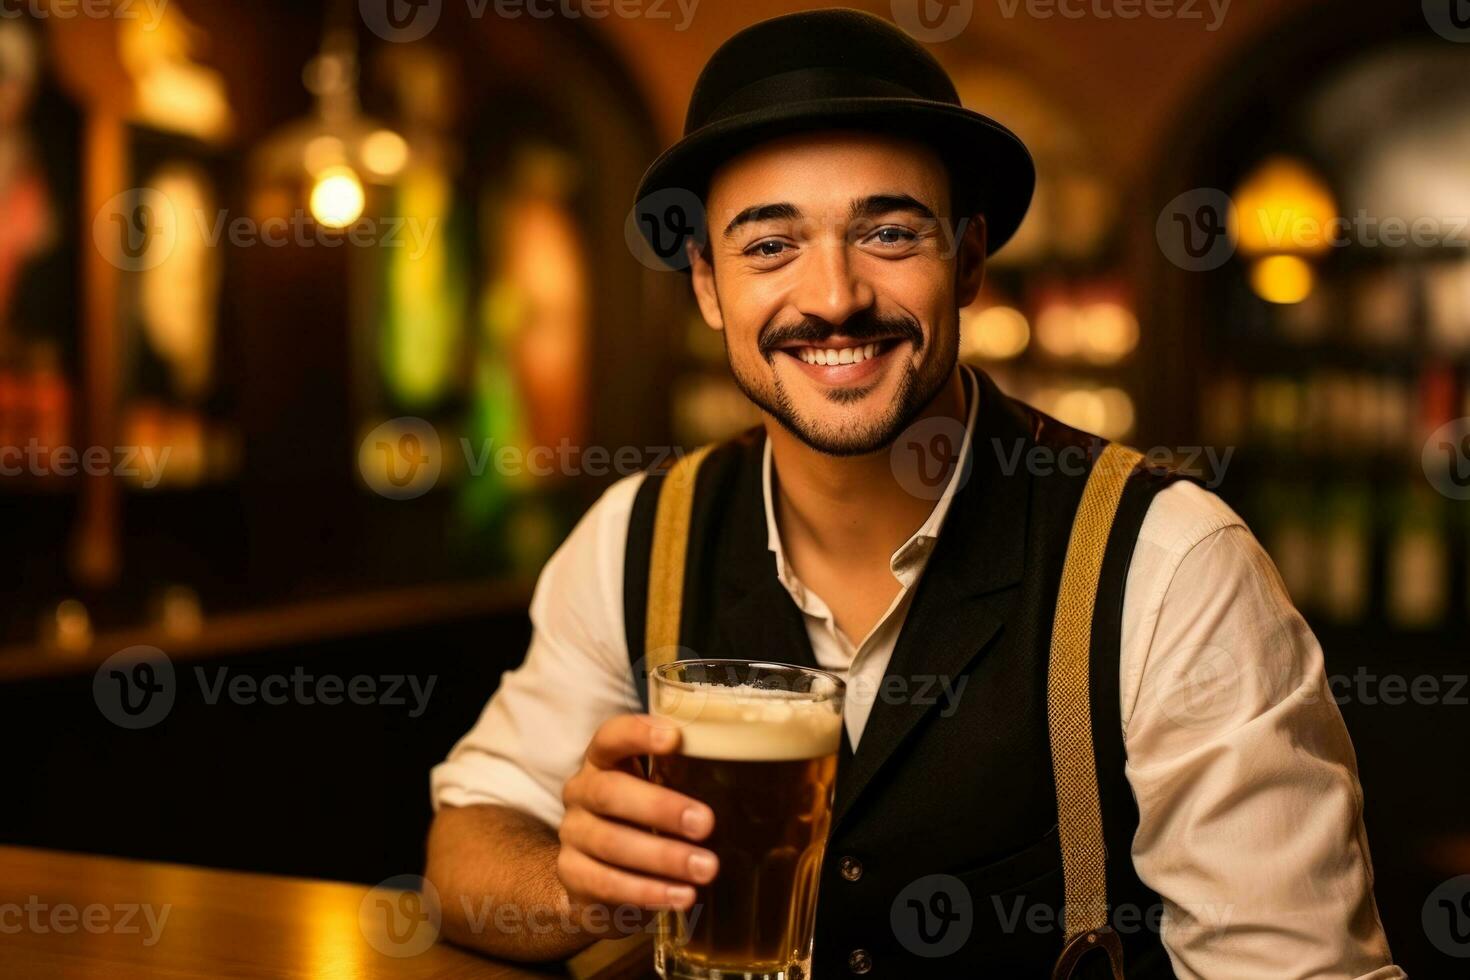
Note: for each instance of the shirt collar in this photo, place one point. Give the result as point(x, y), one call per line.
point(909, 560)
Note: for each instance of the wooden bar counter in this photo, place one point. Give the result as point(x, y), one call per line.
point(65, 915)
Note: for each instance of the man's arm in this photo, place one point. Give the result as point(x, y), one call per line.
point(511, 886)
point(487, 857)
point(1250, 812)
point(542, 842)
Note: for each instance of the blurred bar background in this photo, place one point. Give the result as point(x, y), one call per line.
point(415, 247)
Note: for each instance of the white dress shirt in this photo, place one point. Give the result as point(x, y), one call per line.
point(1250, 813)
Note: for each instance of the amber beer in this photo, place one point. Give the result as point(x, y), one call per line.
point(759, 746)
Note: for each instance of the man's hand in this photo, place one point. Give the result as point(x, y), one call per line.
point(608, 854)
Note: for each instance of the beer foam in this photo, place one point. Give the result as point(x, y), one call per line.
point(749, 724)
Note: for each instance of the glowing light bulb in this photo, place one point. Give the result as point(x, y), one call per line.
point(337, 200)
point(1284, 206)
point(384, 153)
point(323, 154)
point(1109, 332)
point(1282, 279)
point(995, 333)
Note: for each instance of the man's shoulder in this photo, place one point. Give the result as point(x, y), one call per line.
point(583, 581)
point(1182, 515)
point(604, 527)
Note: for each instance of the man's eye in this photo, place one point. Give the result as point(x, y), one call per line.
point(769, 249)
point(893, 235)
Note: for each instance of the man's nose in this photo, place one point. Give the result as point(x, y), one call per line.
point(831, 289)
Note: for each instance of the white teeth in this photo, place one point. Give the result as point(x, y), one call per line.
point(835, 355)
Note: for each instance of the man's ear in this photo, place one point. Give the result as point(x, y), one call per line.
point(970, 267)
point(702, 277)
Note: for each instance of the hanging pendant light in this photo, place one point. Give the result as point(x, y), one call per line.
point(337, 149)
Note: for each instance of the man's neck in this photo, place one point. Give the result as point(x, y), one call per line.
point(850, 507)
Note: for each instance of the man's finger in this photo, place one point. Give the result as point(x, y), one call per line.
point(621, 796)
point(638, 850)
point(627, 736)
point(588, 878)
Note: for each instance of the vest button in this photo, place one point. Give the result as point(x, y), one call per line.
point(851, 868)
point(859, 961)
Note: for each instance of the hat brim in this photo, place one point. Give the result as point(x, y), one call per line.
point(988, 163)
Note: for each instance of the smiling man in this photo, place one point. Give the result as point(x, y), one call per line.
point(1131, 764)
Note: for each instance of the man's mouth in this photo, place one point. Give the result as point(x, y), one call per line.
point(838, 360)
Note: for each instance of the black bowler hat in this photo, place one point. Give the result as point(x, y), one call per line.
point(831, 69)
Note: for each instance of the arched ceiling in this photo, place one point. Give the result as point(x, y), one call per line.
point(1126, 80)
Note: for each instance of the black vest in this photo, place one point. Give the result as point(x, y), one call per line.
point(956, 788)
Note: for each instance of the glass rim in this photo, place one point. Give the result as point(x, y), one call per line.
point(662, 672)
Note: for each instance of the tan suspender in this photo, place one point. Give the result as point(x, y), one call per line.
point(1069, 711)
point(1069, 714)
point(628, 958)
point(666, 560)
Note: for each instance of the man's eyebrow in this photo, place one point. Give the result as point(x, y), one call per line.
point(763, 212)
point(880, 204)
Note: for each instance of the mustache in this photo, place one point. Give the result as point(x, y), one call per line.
point(867, 325)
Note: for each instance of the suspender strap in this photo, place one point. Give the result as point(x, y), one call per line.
point(1069, 715)
point(666, 561)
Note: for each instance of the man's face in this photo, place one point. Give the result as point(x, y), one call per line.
point(835, 275)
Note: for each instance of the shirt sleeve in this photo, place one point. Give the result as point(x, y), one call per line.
point(533, 733)
point(1250, 811)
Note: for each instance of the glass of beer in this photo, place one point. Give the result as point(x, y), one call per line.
point(759, 747)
